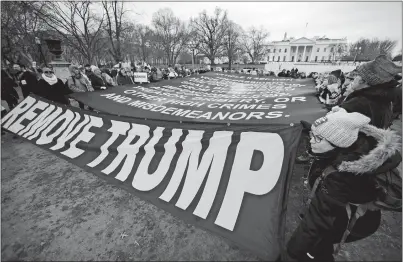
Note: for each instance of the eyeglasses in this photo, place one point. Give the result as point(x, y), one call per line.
point(48, 72)
point(317, 138)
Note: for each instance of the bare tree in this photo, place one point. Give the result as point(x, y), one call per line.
point(171, 34)
point(232, 41)
point(75, 22)
point(370, 49)
point(338, 50)
point(254, 42)
point(19, 27)
point(193, 46)
point(115, 26)
point(210, 33)
point(143, 34)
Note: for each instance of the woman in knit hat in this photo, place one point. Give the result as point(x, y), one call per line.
point(373, 91)
point(356, 151)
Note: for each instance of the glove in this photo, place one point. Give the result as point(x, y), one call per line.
point(336, 109)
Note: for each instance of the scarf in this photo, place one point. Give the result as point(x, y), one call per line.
point(51, 80)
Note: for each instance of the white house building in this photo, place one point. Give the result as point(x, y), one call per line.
point(304, 49)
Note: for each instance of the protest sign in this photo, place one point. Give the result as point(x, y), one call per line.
point(231, 180)
point(213, 98)
point(140, 77)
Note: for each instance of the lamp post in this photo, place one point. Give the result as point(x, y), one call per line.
point(38, 43)
point(357, 50)
point(41, 56)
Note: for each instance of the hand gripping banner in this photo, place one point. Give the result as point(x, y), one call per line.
point(229, 179)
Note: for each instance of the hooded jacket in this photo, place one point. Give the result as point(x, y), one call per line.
point(375, 102)
point(78, 85)
point(375, 151)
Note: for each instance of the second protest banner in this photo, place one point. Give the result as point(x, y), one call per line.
point(213, 98)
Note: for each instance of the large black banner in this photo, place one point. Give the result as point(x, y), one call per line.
point(213, 97)
point(231, 180)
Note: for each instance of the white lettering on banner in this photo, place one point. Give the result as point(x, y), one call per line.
point(121, 99)
point(84, 136)
point(257, 115)
point(108, 95)
point(214, 156)
point(19, 109)
point(16, 127)
point(69, 132)
point(217, 150)
point(275, 114)
point(243, 180)
point(67, 117)
point(287, 99)
point(30, 114)
point(42, 123)
point(143, 180)
point(117, 128)
point(128, 151)
point(191, 143)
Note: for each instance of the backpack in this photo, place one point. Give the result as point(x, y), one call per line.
point(388, 198)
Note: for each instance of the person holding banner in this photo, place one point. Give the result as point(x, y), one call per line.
point(373, 91)
point(107, 77)
point(52, 88)
point(96, 81)
point(123, 78)
point(348, 153)
point(78, 83)
point(8, 93)
point(26, 79)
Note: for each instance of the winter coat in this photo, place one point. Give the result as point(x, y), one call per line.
point(375, 102)
point(8, 93)
point(28, 82)
point(397, 102)
point(79, 85)
point(56, 93)
point(124, 80)
point(108, 80)
point(96, 81)
point(325, 220)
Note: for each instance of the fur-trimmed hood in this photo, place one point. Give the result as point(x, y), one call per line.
point(385, 156)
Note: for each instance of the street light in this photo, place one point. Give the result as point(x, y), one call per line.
point(357, 50)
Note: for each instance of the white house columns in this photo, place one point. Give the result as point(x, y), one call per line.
point(315, 49)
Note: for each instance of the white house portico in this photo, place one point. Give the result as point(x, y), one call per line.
point(304, 49)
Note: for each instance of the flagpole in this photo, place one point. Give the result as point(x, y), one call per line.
point(306, 27)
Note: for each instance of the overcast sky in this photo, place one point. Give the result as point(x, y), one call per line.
point(333, 19)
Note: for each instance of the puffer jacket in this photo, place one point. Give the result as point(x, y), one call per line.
point(375, 102)
point(325, 220)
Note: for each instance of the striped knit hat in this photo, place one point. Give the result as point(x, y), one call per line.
point(340, 128)
point(379, 71)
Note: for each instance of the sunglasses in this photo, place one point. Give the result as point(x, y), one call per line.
point(317, 138)
point(48, 72)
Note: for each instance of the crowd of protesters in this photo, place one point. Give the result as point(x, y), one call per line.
point(354, 138)
point(349, 148)
point(88, 78)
